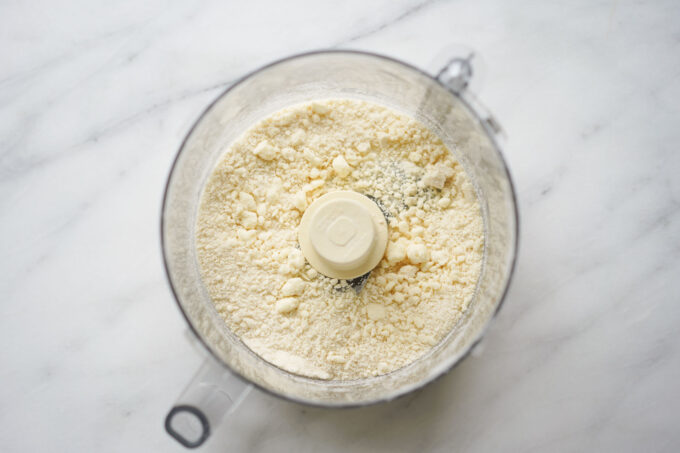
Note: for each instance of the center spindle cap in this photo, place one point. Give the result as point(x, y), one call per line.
point(343, 234)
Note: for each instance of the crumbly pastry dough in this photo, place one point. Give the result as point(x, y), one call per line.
point(284, 309)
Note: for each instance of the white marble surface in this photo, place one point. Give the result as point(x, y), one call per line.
point(95, 99)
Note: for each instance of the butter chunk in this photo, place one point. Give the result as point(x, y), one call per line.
point(319, 108)
point(246, 235)
point(408, 271)
point(265, 151)
point(440, 257)
point(417, 253)
point(247, 201)
point(313, 185)
point(287, 304)
point(363, 147)
point(341, 167)
point(311, 157)
point(300, 201)
point(395, 252)
point(249, 220)
point(288, 153)
point(296, 259)
point(293, 287)
point(436, 176)
point(298, 137)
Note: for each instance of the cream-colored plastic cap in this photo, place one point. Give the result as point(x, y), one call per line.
point(343, 234)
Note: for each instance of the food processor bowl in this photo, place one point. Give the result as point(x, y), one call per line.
point(443, 103)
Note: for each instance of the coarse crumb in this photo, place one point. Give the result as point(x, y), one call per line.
point(285, 310)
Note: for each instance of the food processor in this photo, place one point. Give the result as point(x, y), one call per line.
point(444, 103)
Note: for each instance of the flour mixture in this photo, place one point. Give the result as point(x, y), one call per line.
point(283, 308)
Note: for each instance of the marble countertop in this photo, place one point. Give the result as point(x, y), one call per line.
point(95, 99)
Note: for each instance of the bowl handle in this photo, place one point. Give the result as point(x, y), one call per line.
point(212, 393)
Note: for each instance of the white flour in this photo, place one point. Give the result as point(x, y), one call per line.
point(283, 309)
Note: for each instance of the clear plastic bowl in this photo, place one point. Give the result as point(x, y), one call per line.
point(442, 103)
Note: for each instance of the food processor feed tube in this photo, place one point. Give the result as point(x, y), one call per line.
point(445, 105)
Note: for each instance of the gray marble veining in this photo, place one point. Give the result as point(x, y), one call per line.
point(95, 100)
